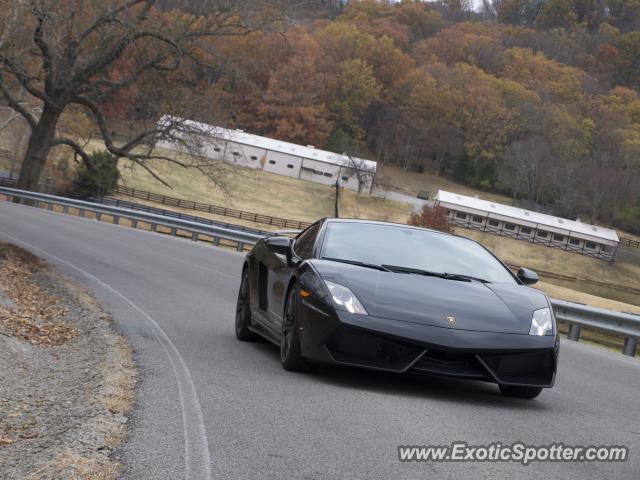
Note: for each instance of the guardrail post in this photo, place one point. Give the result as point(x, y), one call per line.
point(574, 333)
point(116, 219)
point(154, 227)
point(240, 247)
point(173, 231)
point(134, 223)
point(49, 206)
point(194, 236)
point(216, 241)
point(98, 216)
point(81, 212)
point(65, 209)
point(630, 345)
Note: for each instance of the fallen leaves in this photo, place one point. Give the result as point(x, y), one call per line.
point(35, 315)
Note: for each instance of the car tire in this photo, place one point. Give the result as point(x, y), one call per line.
point(243, 311)
point(290, 355)
point(520, 392)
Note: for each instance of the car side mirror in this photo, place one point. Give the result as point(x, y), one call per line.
point(526, 276)
point(281, 246)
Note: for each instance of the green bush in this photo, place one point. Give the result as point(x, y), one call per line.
point(99, 180)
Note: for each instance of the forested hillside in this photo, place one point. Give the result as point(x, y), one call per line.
point(531, 98)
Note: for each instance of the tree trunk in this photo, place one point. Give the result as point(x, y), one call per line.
point(38, 150)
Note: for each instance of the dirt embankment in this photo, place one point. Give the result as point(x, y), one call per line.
point(66, 377)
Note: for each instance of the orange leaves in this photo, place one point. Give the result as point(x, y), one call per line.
point(33, 314)
point(431, 217)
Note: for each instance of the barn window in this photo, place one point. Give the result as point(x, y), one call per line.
point(574, 241)
point(289, 165)
point(326, 174)
point(590, 245)
point(604, 248)
point(525, 230)
point(235, 154)
point(272, 162)
point(477, 219)
point(558, 238)
point(345, 179)
point(493, 223)
point(253, 157)
point(461, 215)
point(509, 226)
point(542, 234)
point(216, 149)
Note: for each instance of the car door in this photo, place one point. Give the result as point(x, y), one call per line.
point(303, 246)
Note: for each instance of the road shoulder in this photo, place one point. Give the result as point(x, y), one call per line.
point(67, 377)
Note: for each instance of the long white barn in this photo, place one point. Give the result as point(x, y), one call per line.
point(276, 156)
point(539, 228)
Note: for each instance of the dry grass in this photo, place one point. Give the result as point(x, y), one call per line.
point(412, 183)
point(263, 192)
point(519, 252)
point(562, 293)
point(120, 384)
point(71, 466)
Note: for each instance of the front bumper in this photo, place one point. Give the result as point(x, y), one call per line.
point(397, 346)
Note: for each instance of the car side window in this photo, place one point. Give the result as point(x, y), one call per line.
point(305, 242)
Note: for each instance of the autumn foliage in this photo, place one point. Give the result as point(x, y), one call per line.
point(431, 217)
point(535, 99)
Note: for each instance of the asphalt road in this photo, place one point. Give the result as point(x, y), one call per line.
point(209, 406)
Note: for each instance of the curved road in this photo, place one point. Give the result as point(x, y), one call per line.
point(209, 406)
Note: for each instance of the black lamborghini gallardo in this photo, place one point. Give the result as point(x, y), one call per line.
point(398, 298)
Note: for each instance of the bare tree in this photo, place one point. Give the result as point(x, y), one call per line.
point(62, 53)
point(526, 162)
point(359, 169)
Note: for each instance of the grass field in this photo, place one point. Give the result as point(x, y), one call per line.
point(537, 257)
point(395, 178)
point(265, 193)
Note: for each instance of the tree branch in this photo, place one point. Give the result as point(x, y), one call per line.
point(76, 147)
point(15, 105)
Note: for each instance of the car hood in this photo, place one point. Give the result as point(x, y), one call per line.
point(488, 307)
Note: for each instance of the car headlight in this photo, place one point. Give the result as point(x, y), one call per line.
point(541, 322)
point(345, 299)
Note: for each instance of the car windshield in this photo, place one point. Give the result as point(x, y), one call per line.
point(413, 249)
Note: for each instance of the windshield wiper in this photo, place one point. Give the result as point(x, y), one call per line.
point(428, 273)
point(459, 276)
point(382, 268)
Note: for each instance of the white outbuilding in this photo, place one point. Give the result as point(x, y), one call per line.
point(275, 156)
point(535, 227)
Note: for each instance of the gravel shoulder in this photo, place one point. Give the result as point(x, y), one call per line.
point(66, 377)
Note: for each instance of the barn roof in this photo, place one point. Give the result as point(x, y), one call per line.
point(249, 139)
point(527, 216)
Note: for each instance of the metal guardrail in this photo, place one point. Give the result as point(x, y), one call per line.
point(626, 325)
point(240, 238)
point(116, 202)
point(578, 316)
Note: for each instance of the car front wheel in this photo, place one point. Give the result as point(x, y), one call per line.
point(243, 311)
point(290, 341)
